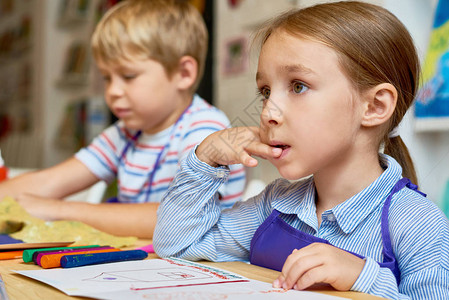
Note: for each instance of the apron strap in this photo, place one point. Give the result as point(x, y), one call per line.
point(388, 253)
point(404, 182)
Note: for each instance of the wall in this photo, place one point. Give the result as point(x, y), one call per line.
point(56, 97)
point(20, 124)
point(53, 33)
point(429, 150)
point(234, 94)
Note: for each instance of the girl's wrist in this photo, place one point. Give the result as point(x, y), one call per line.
point(202, 156)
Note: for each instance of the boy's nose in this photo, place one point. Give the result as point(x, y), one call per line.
point(114, 89)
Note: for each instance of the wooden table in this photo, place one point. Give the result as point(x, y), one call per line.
point(20, 287)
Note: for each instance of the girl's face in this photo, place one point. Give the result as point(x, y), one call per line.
point(310, 109)
point(141, 94)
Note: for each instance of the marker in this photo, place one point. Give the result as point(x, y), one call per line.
point(70, 261)
point(54, 260)
point(11, 254)
point(28, 254)
point(39, 255)
point(148, 248)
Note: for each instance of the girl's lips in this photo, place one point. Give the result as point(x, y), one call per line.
point(285, 149)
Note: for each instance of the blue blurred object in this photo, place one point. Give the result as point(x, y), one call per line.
point(6, 239)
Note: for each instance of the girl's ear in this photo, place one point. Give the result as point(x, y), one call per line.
point(187, 72)
point(380, 103)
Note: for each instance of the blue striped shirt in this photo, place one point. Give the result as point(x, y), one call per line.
point(104, 158)
point(419, 230)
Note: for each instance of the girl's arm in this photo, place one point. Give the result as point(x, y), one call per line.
point(202, 124)
point(420, 237)
point(190, 223)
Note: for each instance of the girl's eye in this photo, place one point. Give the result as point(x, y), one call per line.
point(106, 78)
point(265, 93)
point(299, 87)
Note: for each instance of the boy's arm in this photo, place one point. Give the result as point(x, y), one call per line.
point(114, 218)
point(40, 193)
point(64, 179)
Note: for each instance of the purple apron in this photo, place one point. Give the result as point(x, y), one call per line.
point(275, 240)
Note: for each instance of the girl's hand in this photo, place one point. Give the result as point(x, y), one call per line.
point(235, 146)
point(320, 263)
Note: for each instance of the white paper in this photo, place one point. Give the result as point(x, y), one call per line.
point(161, 279)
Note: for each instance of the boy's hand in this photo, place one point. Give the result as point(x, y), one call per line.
point(40, 207)
point(320, 263)
point(235, 146)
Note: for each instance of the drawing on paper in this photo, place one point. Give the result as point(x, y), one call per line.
point(149, 275)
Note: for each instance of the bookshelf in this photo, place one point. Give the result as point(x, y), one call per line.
point(51, 97)
point(19, 29)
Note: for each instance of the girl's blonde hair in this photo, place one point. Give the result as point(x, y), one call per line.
point(373, 47)
point(162, 30)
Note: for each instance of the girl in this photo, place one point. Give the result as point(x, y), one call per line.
point(335, 80)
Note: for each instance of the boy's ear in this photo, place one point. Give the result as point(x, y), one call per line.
point(379, 105)
point(187, 72)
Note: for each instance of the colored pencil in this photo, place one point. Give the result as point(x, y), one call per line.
point(28, 254)
point(39, 255)
point(54, 260)
point(11, 254)
point(78, 260)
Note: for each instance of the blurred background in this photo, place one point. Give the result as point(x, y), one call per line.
point(51, 93)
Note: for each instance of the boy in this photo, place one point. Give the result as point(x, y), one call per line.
point(151, 55)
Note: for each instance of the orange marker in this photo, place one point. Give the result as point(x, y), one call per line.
point(54, 260)
point(11, 254)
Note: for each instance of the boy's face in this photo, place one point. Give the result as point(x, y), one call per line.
point(141, 94)
point(312, 112)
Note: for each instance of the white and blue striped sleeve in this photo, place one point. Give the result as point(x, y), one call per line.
point(190, 223)
point(202, 123)
point(420, 237)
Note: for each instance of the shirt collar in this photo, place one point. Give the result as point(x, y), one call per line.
point(299, 198)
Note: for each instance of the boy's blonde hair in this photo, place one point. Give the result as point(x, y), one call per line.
point(162, 30)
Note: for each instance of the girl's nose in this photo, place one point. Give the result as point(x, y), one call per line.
point(271, 114)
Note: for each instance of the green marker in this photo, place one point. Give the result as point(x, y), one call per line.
point(27, 255)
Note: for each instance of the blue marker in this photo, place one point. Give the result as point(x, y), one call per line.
point(78, 260)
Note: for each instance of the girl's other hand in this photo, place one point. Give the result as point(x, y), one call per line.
point(320, 263)
point(235, 146)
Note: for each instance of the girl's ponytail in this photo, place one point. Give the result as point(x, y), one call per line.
point(395, 147)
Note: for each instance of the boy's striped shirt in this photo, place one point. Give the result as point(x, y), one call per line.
point(103, 155)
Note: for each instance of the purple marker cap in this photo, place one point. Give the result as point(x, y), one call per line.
point(148, 248)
